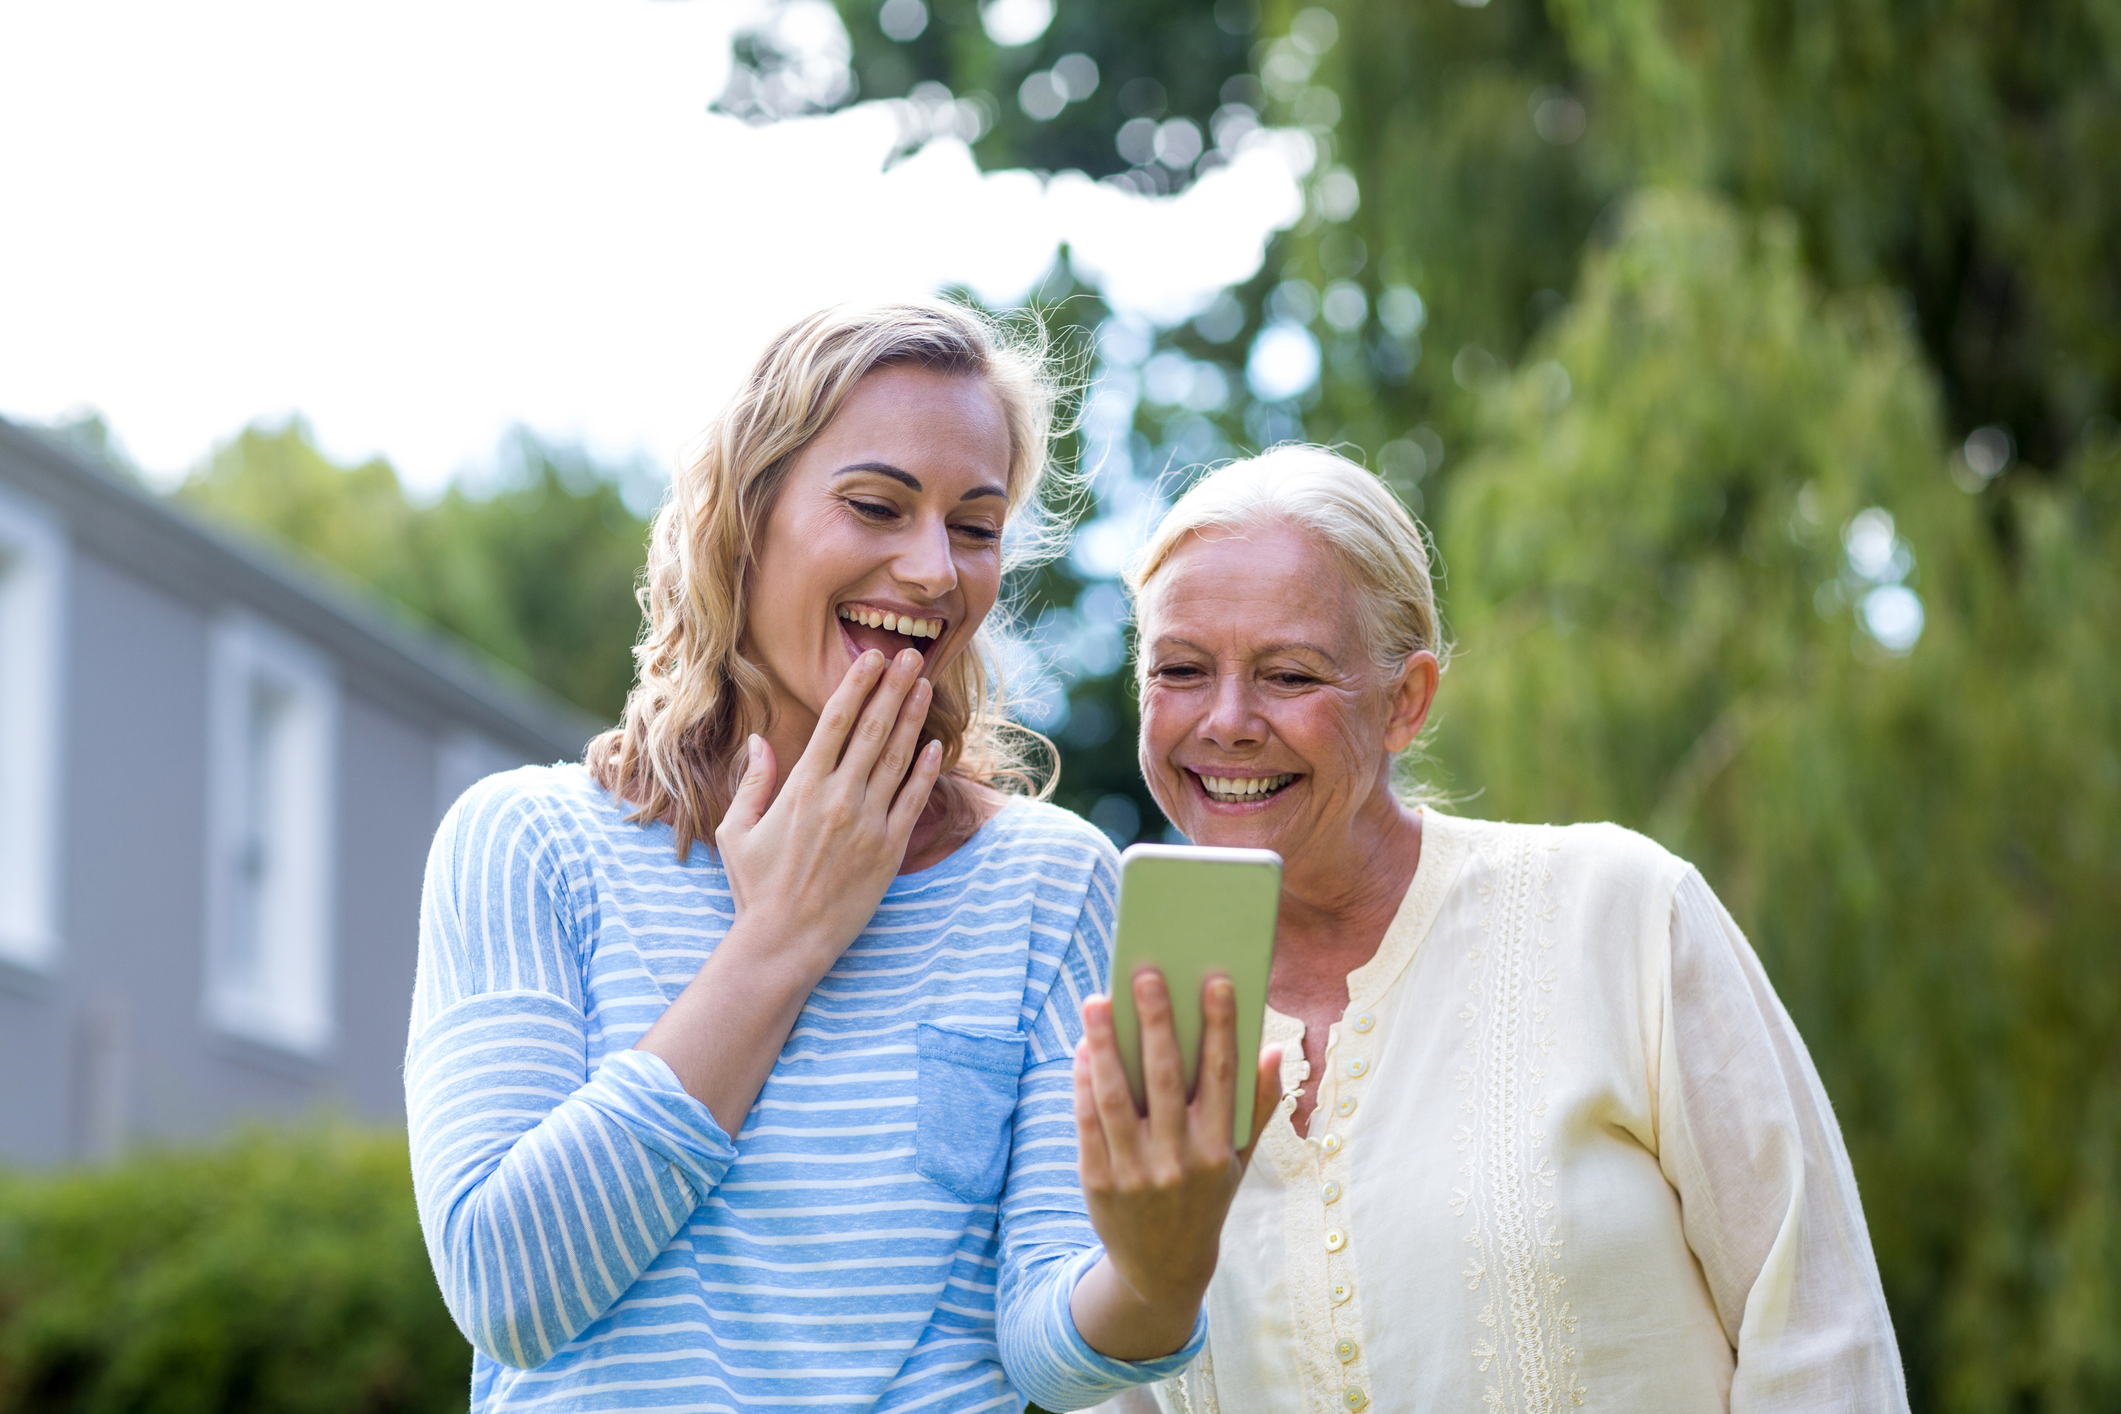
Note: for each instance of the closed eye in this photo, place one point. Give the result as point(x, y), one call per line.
point(872, 510)
point(984, 534)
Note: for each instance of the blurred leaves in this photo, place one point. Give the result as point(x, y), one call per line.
point(537, 568)
point(278, 1273)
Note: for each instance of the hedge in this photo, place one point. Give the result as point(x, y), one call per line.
point(279, 1272)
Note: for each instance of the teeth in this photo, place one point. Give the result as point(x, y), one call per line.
point(1238, 788)
point(897, 623)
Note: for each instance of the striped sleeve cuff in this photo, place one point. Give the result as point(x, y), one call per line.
point(1068, 1374)
point(640, 1092)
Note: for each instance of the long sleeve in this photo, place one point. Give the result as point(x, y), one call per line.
point(1748, 1139)
point(1047, 1241)
point(544, 1191)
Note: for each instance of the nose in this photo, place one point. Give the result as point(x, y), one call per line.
point(1232, 720)
point(924, 562)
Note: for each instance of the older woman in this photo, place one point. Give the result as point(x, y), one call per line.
point(1548, 1140)
point(785, 1122)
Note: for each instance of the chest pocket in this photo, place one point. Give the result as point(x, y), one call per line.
point(966, 1109)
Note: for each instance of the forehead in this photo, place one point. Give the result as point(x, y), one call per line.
point(946, 426)
point(1264, 584)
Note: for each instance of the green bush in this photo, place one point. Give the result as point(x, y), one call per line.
point(279, 1272)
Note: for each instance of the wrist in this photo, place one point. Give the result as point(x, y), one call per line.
point(1118, 1321)
point(779, 948)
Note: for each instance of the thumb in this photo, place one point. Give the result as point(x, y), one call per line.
point(1266, 1100)
point(755, 792)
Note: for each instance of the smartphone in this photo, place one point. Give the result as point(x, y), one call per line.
point(1192, 911)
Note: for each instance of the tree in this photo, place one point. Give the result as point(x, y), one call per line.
point(537, 570)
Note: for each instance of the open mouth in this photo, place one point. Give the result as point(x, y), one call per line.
point(887, 630)
point(1243, 790)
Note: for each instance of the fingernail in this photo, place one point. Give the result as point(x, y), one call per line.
point(751, 749)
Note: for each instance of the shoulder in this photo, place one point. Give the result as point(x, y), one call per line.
point(536, 809)
point(1042, 830)
point(1051, 856)
point(1600, 859)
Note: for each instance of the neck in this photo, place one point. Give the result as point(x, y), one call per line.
point(1343, 891)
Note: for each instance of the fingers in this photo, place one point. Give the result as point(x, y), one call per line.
point(875, 726)
point(1215, 1094)
point(755, 792)
point(1093, 1164)
point(899, 748)
point(913, 795)
point(1109, 1090)
point(1163, 1063)
point(1266, 1099)
point(842, 710)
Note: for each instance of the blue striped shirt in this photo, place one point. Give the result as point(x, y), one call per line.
point(898, 1225)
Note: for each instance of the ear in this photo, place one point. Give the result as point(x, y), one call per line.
point(1411, 699)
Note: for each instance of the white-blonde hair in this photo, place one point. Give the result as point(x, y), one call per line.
point(1350, 511)
point(677, 753)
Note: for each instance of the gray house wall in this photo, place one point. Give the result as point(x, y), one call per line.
point(110, 1044)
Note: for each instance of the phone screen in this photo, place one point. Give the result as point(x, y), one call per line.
point(1193, 911)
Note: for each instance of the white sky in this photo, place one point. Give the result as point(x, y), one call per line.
point(418, 224)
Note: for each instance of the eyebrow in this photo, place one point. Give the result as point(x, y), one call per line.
point(1296, 645)
point(913, 482)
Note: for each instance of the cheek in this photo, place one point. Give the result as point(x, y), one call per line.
point(1163, 726)
point(979, 579)
point(1334, 733)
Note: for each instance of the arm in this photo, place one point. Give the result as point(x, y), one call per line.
point(1078, 1324)
point(543, 1192)
point(1748, 1138)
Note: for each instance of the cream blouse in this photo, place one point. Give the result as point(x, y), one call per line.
point(1568, 1152)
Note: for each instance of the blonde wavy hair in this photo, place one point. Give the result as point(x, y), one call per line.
point(677, 753)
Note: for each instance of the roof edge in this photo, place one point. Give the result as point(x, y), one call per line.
point(399, 658)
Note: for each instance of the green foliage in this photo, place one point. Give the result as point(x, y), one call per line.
point(283, 1274)
point(538, 572)
point(1186, 52)
point(1967, 155)
point(1646, 566)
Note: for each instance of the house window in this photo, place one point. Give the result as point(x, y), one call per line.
point(273, 756)
point(32, 600)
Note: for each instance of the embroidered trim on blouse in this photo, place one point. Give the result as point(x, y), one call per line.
point(1528, 1351)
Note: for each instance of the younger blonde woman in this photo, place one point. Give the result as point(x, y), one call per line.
point(788, 1121)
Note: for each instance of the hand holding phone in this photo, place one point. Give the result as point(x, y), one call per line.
point(1161, 1155)
point(1193, 912)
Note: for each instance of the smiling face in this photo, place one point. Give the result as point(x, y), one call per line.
point(886, 533)
point(1265, 721)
